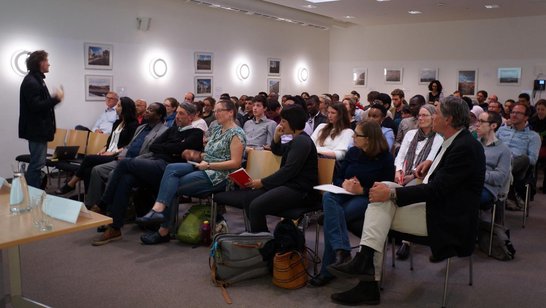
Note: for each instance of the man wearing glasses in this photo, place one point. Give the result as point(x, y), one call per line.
point(523, 142)
point(104, 123)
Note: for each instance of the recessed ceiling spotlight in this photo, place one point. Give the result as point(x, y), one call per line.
point(440, 4)
point(349, 17)
point(492, 6)
point(415, 12)
point(309, 6)
point(321, 1)
point(383, 0)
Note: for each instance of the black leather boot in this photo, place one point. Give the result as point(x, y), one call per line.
point(361, 266)
point(365, 292)
point(342, 256)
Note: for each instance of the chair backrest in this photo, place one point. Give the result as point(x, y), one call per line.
point(260, 164)
point(79, 138)
point(58, 140)
point(326, 170)
point(96, 142)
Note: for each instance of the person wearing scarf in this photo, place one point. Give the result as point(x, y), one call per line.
point(417, 146)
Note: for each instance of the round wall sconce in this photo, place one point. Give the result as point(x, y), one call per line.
point(303, 74)
point(243, 71)
point(18, 62)
point(158, 68)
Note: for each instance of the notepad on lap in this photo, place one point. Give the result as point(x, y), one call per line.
point(240, 177)
point(333, 189)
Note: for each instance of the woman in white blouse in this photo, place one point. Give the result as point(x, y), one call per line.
point(333, 139)
point(417, 146)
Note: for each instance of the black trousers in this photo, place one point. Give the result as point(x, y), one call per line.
point(90, 161)
point(260, 202)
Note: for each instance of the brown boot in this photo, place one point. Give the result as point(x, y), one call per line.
point(111, 234)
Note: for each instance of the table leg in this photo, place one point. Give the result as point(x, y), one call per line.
point(14, 263)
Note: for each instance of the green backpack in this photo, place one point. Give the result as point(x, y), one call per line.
point(189, 228)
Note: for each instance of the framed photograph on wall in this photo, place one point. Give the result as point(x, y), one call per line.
point(203, 86)
point(203, 62)
point(467, 81)
point(393, 75)
point(97, 86)
point(426, 75)
point(98, 56)
point(273, 85)
point(360, 76)
point(273, 67)
point(510, 76)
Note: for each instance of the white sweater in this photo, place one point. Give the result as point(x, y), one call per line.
point(339, 145)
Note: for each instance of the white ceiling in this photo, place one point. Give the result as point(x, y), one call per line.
point(372, 12)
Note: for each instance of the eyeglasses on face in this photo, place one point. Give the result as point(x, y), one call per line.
point(218, 110)
point(359, 135)
point(424, 115)
point(517, 113)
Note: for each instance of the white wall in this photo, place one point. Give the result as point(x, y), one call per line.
point(484, 45)
point(177, 29)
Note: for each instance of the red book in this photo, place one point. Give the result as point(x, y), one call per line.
point(240, 177)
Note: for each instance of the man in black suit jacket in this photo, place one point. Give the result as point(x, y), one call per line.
point(37, 114)
point(315, 116)
point(444, 208)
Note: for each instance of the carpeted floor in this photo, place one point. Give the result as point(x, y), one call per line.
point(68, 272)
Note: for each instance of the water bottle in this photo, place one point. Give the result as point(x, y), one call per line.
point(205, 233)
point(19, 198)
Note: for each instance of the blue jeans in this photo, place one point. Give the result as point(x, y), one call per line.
point(38, 153)
point(184, 178)
point(338, 209)
point(486, 199)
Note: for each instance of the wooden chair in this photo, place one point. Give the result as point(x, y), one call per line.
point(95, 143)
point(79, 138)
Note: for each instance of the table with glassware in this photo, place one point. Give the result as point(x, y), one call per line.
point(21, 229)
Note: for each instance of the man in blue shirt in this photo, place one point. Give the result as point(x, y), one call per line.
point(521, 140)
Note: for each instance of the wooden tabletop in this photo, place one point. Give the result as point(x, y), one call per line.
point(18, 229)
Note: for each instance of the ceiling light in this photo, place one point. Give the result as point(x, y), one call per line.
point(491, 6)
point(18, 62)
point(383, 0)
point(415, 12)
point(349, 17)
point(321, 1)
point(158, 68)
point(309, 6)
point(440, 4)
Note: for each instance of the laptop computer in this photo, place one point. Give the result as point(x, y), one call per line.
point(65, 152)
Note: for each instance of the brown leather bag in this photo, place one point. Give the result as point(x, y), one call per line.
point(290, 270)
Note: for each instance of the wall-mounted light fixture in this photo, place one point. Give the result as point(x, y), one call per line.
point(243, 71)
point(18, 62)
point(303, 74)
point(158, 68)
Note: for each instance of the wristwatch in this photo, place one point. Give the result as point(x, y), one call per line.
point(393, 195)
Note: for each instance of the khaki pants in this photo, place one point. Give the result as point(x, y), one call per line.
point(383, 216)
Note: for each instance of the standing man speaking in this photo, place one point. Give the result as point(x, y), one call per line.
point(36, 114)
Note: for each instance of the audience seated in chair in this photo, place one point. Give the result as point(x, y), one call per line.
point(522, 142)
point(141, 106)
point(368, 161)
point(497, 157)
point(410, 123)
point(123, 131)
point(289, 186)
point(333, 138)
point(144, 137)
point(222, 155)
point(106, 120)
point(147, 169)
point(417, 146)
point(171, 104)
point(451, 189)
point(378, 113)
point(259, 130)
point(538, 124)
